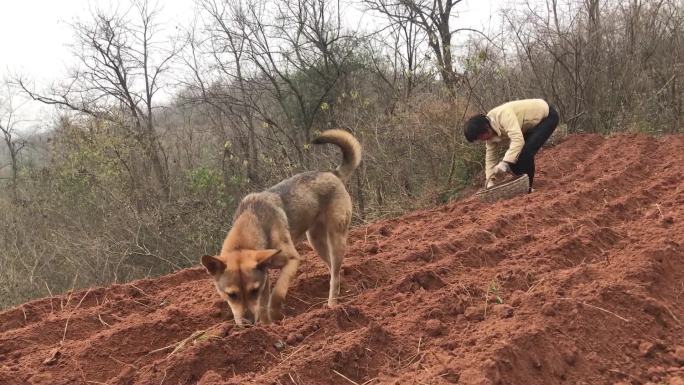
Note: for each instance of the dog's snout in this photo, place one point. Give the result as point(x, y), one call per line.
point(249, 318)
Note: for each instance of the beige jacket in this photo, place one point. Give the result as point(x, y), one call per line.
point(510, 121)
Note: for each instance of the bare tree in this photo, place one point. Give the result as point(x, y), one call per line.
point(433, 17)
point(397, 54)
point(121, 68)
point(288, 54)
point(10, 136)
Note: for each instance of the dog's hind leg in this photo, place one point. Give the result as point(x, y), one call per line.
point(318, 238)
point(330, 245)
point(337, 242)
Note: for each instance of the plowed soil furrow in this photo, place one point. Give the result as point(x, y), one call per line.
point(577, 283)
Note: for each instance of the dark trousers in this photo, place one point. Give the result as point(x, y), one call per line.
point(534, 139)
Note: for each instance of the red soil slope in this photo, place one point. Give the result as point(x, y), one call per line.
point(578, 283)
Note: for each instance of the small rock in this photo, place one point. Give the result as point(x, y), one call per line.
point(455, 308)
point(385, 231)
point(517, 298)
point(548, 310)
point(675, 381)
point(299, 337)
point(491, 371)
point(646, 349)
point(434, 327)
point(658, 371)
point(53, 358)
point(209, 377)
point(679, 355)
point(536, 363)
point(451, 376)
point(291, 339)
point(279, 345)
point(570, 356)
point(504, 311)
point(225, 329)
point(373, 248)
point(473, 376)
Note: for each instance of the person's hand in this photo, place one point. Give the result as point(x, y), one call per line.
point(502, 168)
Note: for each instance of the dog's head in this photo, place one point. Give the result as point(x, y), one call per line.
point(240, 277)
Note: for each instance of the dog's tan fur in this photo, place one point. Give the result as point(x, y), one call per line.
point(268, 224)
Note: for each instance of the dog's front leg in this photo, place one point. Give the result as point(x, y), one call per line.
point(264, 316)
point(282, 284)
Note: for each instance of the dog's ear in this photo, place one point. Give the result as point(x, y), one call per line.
point(263, 257)
point(213, 265)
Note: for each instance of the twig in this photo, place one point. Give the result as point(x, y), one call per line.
point(605, 311)
point(99, 316)
point(596, 307)
point(184, 342)
point(672, 314)
point(293, 353)
point(326, 300)
point(48, 289)
point(489, 233)
point(535, 285)
point(140, 303)
point(124, 363)
point(66, 325)
point(623, 374)
point(659, 210)
point(292, 379)
point(195, 335)
point(345, 377)
point(162, 349)
point(299, 299)
point(71, 292)
point(140, 290)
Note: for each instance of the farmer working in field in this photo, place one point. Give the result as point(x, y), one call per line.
point(528, 124)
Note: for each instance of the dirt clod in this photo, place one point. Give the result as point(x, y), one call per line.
point(474, 313)
point(679, 355)
point(434, 327)
point(646, 349)
point(503, 311)
point(548, 309)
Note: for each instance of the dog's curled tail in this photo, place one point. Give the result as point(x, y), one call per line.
point(351, 150)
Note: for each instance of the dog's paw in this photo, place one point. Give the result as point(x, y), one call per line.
point(276, 314)
point(332, 303)
point(264, 316)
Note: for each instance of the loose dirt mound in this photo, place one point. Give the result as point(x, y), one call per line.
point(578, 283)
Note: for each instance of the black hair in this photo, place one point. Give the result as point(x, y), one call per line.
point(475, 126)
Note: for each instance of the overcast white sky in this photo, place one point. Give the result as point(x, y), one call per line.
point(34, 35)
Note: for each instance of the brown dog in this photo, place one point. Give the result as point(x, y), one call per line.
point(268, 224)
